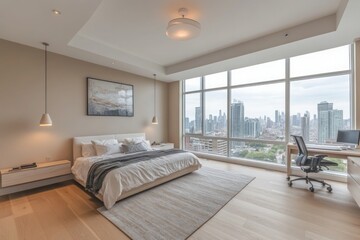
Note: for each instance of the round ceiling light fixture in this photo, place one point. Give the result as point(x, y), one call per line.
point(183, 28)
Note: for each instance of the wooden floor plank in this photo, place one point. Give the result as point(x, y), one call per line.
point(5, 207)
point(20, 205)
point(8, 230)
point(51, 224)
point(84, 210)
point(28, 227)
point(266, 209)
point(76, 229)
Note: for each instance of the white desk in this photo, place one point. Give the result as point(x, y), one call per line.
point(343, 154)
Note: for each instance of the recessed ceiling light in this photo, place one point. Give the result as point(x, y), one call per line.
point(56, 12)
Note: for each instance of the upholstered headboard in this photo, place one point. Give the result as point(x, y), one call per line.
point(87, 139)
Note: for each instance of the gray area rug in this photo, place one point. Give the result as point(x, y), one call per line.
point(176, 209)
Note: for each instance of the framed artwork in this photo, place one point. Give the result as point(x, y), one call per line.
point(106, 98)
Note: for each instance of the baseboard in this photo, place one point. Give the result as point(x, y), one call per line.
point(36, 184)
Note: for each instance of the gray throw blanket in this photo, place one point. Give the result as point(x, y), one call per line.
point(99, 169)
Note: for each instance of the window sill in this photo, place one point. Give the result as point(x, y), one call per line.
point(328, 175)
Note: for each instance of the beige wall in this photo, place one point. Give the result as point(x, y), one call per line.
point(22, 104)
point(174, 130)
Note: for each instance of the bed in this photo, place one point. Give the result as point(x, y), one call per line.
point(128, 180)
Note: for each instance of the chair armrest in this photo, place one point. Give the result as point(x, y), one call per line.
point(320, 156)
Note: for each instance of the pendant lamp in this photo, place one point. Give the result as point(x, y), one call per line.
point(154, 119)
point(45, 118)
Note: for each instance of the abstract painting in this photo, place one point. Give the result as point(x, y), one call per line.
point(106, 98)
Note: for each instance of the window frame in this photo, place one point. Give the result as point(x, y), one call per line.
point(287, 81)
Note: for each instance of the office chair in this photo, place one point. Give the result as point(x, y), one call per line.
point(310, 164)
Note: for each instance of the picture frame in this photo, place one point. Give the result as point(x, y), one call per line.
point(108, 98)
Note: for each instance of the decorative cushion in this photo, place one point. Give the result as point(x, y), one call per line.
point(138, 147)
point(88, 150)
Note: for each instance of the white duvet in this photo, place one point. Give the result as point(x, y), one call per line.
point(131, 176)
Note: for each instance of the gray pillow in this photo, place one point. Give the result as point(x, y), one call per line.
point(137, 147)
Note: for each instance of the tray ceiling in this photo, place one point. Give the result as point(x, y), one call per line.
point(130, 35)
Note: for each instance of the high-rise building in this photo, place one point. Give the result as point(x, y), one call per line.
point(329, 122)
point(305, 127)
point(323, 120)
point(198, 119)
point(237, 119)
point(336, 123)
point(293, 120)
point(323, 126)
point(252, 127)
point(209, 124)
point(187, 125)
point(277, 118)
point(269, 123)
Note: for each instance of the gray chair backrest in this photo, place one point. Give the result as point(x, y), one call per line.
point(300, 160)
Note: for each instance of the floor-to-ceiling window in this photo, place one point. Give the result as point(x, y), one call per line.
point(250, 112)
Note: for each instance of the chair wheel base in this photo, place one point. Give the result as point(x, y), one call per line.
point(309, 181)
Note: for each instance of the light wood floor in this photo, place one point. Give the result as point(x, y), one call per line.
point(266, 209)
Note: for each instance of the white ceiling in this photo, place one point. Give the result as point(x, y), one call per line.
point(130, 34)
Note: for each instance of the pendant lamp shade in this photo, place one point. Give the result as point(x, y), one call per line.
point(154, 119)
point(45, 120)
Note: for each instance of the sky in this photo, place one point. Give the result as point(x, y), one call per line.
point(265, 99)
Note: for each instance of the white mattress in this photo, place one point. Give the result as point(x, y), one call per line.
point(134, 175)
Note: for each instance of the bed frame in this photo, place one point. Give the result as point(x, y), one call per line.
point(120, 137)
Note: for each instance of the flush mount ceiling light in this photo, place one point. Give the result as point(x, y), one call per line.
point(183, 28)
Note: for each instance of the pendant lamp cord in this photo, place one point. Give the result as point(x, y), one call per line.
point(154, 94)
point(45, 78)
point(45, 44)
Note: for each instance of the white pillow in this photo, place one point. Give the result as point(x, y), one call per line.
point(88, 150)
point(106, 147)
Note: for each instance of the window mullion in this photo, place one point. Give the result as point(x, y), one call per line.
point(287, 100)
point(228, 112)
point(202, 107)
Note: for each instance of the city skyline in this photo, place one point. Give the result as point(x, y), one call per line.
point(310, 126)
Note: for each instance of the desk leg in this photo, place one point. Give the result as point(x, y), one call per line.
point(288, 163)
